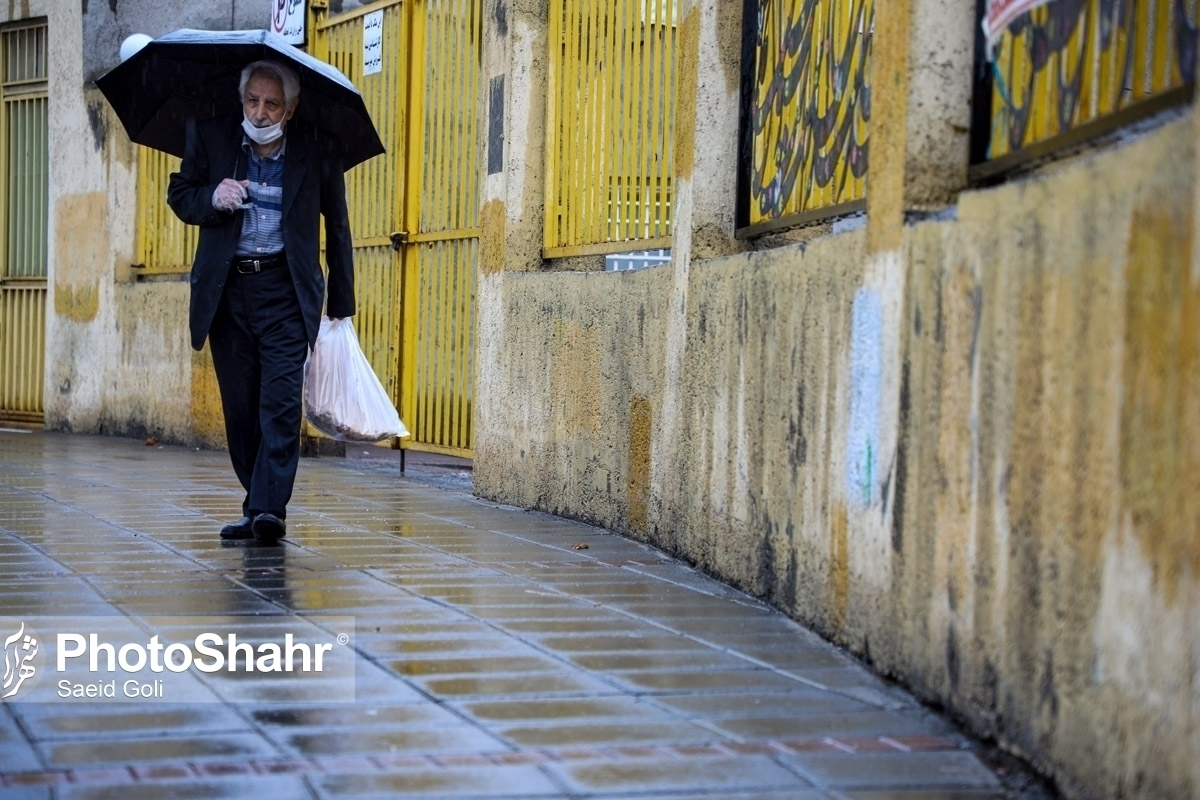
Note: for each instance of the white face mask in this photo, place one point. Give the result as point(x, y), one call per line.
point(262, 135)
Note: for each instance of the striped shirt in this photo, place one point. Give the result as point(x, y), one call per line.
point(261, 231)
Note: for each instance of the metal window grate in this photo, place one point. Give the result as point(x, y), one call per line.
point(611, 121)
point(164, 244)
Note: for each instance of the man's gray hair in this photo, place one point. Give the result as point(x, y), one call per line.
point(272, 69)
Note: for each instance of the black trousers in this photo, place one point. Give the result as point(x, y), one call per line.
point(259, 346)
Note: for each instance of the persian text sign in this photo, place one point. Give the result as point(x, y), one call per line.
point(373, 43)
point(1001, 13)
point(287, 20)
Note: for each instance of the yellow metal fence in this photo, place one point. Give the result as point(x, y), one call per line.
point(414, 211)
point(611, 121)
point(441, 251)
point(1073, 62)
point(164, 244)
point(22, 345)
point(375, 188)
point(810, 109)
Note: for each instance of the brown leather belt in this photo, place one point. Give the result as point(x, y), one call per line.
point(248, 265)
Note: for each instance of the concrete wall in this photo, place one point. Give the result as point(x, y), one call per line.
point(117, 356)
point(964, 443)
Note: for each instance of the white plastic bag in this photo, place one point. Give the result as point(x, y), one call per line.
point(342, 396)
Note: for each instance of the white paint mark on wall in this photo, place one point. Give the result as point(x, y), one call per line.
point(866, 394)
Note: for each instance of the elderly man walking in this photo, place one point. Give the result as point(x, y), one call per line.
point(256, 187)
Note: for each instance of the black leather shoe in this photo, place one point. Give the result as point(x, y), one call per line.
point(242, 529)
point(268, 528)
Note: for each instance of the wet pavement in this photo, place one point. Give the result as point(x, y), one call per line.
point(496, 653)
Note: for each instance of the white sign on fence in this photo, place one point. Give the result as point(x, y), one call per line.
point(1000, 14)
point(287, 19)
point(373, 43)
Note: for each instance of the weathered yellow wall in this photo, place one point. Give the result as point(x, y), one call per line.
point(974, 458)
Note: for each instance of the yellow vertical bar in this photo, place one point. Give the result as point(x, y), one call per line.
point(434, 129)
point(462, 251)
point(453, 304)
point(659, 28)
point(451, 130)
point(553, 139)
point(582, 214)
point(572, 43)
point(629, 163)
point(471, 101)
point(598, 79)
point(456, 128)
point(445, 127)
point(26, 196)
point(573, 124)
point(464, 166)
point(642, 141)
point(557, 86)
point(1141, 44)
point(1163, 48)
point(611, 124)
point(410, 257)
point(587, 123)
point(443, 341)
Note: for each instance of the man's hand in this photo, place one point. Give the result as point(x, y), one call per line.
point(230, 194)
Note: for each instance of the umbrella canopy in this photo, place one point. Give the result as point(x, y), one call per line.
point(192, 74)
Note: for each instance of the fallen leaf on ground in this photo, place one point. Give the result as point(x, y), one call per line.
point(580, 546)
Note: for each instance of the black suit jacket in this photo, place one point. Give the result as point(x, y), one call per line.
point(313, 186)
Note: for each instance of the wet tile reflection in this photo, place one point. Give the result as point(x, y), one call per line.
point(485, 652)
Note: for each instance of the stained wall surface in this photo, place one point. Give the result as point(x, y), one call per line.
point(967, 449)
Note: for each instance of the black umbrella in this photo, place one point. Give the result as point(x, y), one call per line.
point(191, 74)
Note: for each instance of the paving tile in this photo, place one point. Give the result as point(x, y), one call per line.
point(872, 722)
point(606, 734)
point(740, 680)
point(542, 685)
point(460, 738)
point(924, 771)
point(350, 716)
point(56, 721)
point(697, 658)
point(155, 748)
point(564, 708)
point(500, 782)
point(682, 774)
point(456, 665)
point(801, 700)
point(622, 642)
point(16, 754)
point(275, 787)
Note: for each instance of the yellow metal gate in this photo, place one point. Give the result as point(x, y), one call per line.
point(24, 169)
point(414, 211)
